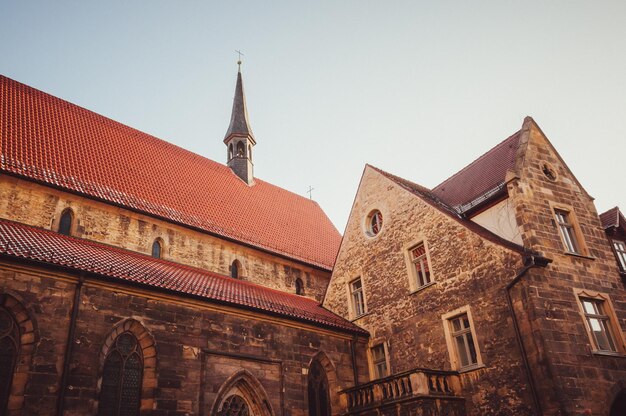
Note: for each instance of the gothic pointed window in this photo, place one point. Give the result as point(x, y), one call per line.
point(234, 406)
point(9, 348)
point(299, 287)
point(122, 374)
point(156, 249)
point(65, 223)
point(319, 398)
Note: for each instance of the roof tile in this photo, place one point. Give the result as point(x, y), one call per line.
point(50, 140)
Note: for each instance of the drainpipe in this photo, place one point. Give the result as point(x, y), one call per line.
point(69, 347)
point(531, 262)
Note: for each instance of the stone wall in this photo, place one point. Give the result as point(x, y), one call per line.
point(571, 378)
point(467, 269)
point(41, 206)
point(193, 350)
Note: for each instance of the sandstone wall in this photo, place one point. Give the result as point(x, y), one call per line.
point(572, 378)
point(467, 270)
point(40, 206)
point(197, 347)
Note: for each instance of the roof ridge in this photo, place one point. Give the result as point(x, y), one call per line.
point(466, 167)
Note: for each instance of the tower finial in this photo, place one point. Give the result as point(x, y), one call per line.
point(239, 60)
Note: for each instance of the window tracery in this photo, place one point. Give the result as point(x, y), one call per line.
point(9, 350)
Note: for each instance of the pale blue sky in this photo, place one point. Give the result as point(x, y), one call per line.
point(418, 88)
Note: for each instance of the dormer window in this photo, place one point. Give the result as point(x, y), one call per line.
point(156, 249)
point(65, 223)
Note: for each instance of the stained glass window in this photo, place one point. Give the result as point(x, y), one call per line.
point(9, 348)
point(234, 406)
point(122, 374)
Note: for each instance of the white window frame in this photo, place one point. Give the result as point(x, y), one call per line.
point(455, 360)
point(352, 301)
point(373, 364)
point(607, 316)
point(414, 278)
point(569, 230)
point(619, 247)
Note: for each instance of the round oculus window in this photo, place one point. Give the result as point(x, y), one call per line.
point(374, 223)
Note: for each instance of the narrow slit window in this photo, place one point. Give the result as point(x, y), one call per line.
point(156, 249)
point(65, 223)
point(299, 287)
point(234, 269)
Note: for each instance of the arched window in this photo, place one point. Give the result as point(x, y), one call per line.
point(241, 149)
point(9, 349)
point(234, 406)
point(156, 249)
point(65, 223)
point(122, 374)
point(230, 151)
point(234, 269)
point(299, 287)
point(319, 398)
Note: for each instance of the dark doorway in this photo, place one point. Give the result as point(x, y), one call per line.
point(618, 408)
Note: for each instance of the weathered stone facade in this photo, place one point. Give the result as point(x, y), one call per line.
point(194, 352)
point(41, 206)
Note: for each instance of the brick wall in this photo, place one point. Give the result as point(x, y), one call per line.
point(199, 347)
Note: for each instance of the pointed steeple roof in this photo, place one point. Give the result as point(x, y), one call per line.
point(239, 124)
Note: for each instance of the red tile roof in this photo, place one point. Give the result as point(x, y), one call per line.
point(430, 198)
point(30, 243)
point(50, 140)
point(481, 176)
point(612, 218)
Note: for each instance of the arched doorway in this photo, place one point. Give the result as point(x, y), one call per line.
point(618, 408)
point(319, 397)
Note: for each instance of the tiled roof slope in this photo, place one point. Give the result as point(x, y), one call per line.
point(30, 243)
point(430, 198)
point(612, 218)
point(58, 143)
point(481, 176)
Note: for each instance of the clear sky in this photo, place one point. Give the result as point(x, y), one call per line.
point(417, 88)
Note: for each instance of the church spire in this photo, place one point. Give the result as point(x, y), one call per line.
point(239, 138)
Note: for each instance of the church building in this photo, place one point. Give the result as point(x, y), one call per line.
point(138, 278)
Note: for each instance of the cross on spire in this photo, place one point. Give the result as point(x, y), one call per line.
point(240, 55)
point(310, 192)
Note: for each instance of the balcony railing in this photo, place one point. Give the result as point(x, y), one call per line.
point(416, 382)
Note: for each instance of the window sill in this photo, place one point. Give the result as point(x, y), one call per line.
point(609, 354)
point(419, 289)
point(360, 316)
point(582, 256)
point(471, 368)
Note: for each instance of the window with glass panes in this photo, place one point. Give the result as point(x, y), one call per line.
point(379, 361)
point(566, 228)
point(599, 324)
point(358, 300)
point(463, 340)
point(420, 265)
point(620, 252)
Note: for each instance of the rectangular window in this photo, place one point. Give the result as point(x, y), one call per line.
point(599, 324)
point(463, 340)
point(620, 252)
point(567, 230)
point(420, 265)
point(379, 361)
point(358, 300)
